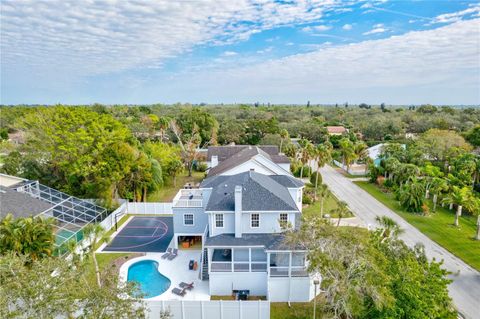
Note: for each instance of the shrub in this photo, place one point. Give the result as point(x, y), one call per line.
point(388, 183)
point(313, 178)
point(201, 167)
point(307, 199)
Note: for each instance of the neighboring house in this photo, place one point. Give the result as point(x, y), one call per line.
point(239, 218)
point(231, 160)
point(24, 198)
point(336, 130)
point(375, 151)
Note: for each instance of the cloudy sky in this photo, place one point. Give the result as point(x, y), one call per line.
point(325, 51)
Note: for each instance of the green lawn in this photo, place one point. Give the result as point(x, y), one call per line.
point(168, 191)
point(437, 226)
point(297, 310)
point(329, 205)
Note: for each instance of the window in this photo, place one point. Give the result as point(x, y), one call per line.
point(219, 220)
point(188, 219)
point(283, 219)
point(255, 220)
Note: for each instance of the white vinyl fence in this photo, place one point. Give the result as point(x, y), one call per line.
point(211, 309)
point(114, 217)
point(144, 208)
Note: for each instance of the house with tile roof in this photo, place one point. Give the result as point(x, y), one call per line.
point(239, 213)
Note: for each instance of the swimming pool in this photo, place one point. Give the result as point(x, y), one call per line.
point(152, 282)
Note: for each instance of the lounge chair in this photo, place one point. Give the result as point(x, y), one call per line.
point(179, 292)
point(185, 285)
point(173, 254)
point(167, 254)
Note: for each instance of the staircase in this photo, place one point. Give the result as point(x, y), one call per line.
point(205, 265)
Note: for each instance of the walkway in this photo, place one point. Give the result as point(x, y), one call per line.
point(464, 290)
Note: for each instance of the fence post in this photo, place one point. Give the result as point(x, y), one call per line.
point(183, 309)
point(221, 309)
point(259, 310)
point(240, 308)
point(202, 314)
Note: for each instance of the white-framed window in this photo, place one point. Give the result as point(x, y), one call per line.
point(255, 220)
point(219, 220)
point(188, 220)
point(283, 219)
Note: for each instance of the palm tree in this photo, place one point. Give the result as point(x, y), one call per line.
point(437, 186)
point(31, 236)
point(341, 210)
point(390, 228)
point(361, 151)
point(93, 232)
point(348, 152)
point(391, 166)
point(306, 151)
point(283, 136)
point(460, 197)
point(322, 155)
point(410, 195)
point(324, 193)
point(477, 236)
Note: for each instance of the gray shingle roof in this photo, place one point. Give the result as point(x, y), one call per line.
point(260, 192)
point(224, 152)
point(20, 204)
point(245, 154)
point(274, 241)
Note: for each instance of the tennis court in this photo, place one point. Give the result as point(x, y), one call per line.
point(143, 234)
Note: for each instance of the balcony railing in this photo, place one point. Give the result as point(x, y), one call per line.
point(237, 267)
point(188, 198)
point(221, 267)
point(296, 271)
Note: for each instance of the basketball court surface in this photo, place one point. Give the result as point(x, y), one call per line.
point(143, 234)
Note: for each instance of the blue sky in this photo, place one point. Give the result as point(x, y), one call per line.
point(325, 51)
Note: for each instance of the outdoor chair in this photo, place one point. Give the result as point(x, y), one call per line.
point(173, 254)
point(179, 292)
point(167, 254)
point(185, 285)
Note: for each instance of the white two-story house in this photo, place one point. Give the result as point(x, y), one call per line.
point(238, 216)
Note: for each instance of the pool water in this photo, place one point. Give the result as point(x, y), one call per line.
point(152, 282)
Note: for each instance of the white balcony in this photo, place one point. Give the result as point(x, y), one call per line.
point(188, 198)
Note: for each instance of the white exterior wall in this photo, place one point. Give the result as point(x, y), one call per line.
point(269, 222)
point(296, 194)
point(294, 289)
point(285, 166)
point(228, 223)
point(223, 283)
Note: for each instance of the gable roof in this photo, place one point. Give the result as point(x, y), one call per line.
point(259, 192)
point(241, 157)
point(226, 151)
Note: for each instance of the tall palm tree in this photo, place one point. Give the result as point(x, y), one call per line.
point(322, 155)
point(92, 233)
point(283, 136)
point(341, 210)
point(437, 186)
point(348, 152)
point(361, 151)
point(324, 193)
point(391, 166)
point(306, 151)
point(460, 197)
point(410, 195)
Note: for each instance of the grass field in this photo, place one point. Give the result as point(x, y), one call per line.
point(296, 310)
point(437, 226)
point(329, 205)
point(168, 191)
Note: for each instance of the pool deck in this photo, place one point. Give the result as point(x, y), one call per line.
point(177, 271)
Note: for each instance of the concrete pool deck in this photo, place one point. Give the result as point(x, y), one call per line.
point(177, 271)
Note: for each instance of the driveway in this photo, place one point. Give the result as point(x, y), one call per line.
point(465, 288)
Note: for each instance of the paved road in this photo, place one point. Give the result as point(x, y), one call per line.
point(465, 288)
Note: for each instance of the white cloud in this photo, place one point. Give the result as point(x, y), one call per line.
point(347, 27)
point(229, 53)
point(473, 11)
point(377, 28)
point(417, 67)
point(100, 37)
point(266, 50)
point(315, 28)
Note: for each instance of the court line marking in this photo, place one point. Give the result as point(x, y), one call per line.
point(144, 244)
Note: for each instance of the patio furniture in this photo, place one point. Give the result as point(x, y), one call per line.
point(179, 292)
point(190, 264)
point(167, 254)
point(173, 255)
point(241, 294)
point(185, 285)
